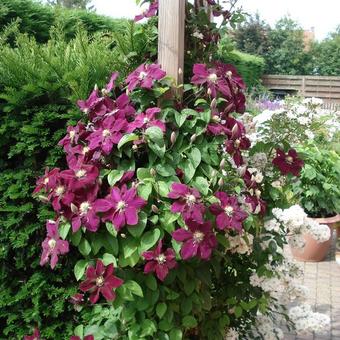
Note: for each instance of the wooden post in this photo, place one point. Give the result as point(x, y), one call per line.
point(171, 29)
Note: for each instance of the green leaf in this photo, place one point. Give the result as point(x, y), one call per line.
point(129, 246)
point(76, 237)
point(84, 247)
point(131, 261)
point(158, 150)
point(188, 169)
point(64, 229)
point(149, 239)
point(134, 287)
point(143, 174)
point(161, 309)
point(165, 170)
point(108, 259)
point(180, 118)
point(148, 328)
point(155, 134)
point(126, 139)
point(111, 229)
point(144, 190)
point(195, 157)
point(114, 176)
point(189, 322)
point(162, 188)
point(176, 334)
point(79, 331)
point(202, 185)
point(238, 311)
point(189, 287)
point(151, 282)
point(79, 269)
point(137, 230)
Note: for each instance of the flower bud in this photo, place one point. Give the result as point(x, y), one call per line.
point(74, 208)
point(213, 104)
point(258, 193)
point(193, 138)
point(134, 147)
point(242, 170)
point(234, 130)
point(123, 235)
point(43, 198)
point(173, 137)
point(209, 92)
point(222, 164)
point(221, 182)
point(95, 87)
point(154, 209)
point(153, 172)
point(213, 173)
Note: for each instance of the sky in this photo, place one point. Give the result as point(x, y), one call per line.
point(323, 15)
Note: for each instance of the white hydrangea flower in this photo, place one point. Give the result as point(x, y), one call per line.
point(232, 334)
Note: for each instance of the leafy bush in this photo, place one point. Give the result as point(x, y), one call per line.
point(38, 88)
point(317, 189)
point(37, 19)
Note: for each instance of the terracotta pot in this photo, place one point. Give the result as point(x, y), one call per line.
point(313, 250)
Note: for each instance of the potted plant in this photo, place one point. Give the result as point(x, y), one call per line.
point(318, 192)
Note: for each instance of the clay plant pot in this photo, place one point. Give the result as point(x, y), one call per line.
point(317, 251)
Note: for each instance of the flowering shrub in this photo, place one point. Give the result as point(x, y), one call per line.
point(167, 202)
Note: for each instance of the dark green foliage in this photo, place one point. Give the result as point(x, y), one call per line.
point(39, 85)
point(79, 4)
point(37, 19)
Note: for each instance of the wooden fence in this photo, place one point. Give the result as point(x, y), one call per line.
point(326, 88)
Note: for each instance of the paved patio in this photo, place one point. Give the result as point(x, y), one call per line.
point(323, 281)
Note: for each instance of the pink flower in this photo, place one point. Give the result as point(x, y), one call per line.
point(77, 299)
point(80, 154)
point(80, 176)
point(203, 75)
point(87, 337)
point(123, 108)
point(74, 134)
point(234, 147)
point(160, 261)
point(198, 240)
point(61, 195)
point(109, 133)
point(257, 204)
point(146, 120)
point(53, 245)
point(187, 202)
point(100, 280)
point(121, 206)
point(84, 212)
point(111, 84)
point(228, 212)
point(150, 12)
point(34, 336)
point(144, 76)
point(90, 102)
point(288, 163)
point(48, 181)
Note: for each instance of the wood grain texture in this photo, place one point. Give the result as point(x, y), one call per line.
point(171, 31)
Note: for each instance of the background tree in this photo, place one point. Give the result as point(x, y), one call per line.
point(75, 4)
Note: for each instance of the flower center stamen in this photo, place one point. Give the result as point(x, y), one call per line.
point(237, 143)
point(289, 159)
point(106, 133)
point(212, 77)
point(80, 173)
point(121, 205)
point(198, 237)
point(191, 199)
point(46, 180)
point(99, 281)
point(84, 208)
point(72, 134)
point(52, 243)
point(146, 120)
point(60, 190)
point(86, 149)
point(142, 75)
point(229, 210)
point(229, 74)
point(161, 259)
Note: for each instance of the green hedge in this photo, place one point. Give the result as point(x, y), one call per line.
point(37, 19)
point(39, 85)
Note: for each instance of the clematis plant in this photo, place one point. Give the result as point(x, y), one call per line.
point(166, 201)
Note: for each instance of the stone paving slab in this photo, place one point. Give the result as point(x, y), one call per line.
point(323, 281)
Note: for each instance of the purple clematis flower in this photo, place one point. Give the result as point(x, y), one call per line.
point(109, 133)
point(48, 181)
point(34, 336)
point(257, 204)
point(144, 76)
point(234, 147)
point(228, 212)
point(100, 280)
point(160, 261)
point(111, 84)
point(288, 163)
point(84, 212)
point(123, 108)
point(80, 176)
point(74, 134)
point(53, 245)
point(90, 102)
point(87, 337)
point(199, 240)
point(146, 120)
point(203, 75)
point(120, 207)
point(148, 13)
point(187, 202)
